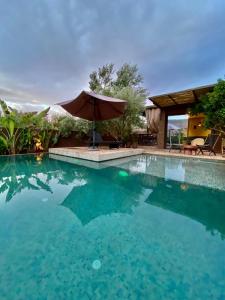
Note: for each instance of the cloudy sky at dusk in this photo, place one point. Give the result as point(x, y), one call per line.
point(49, 47)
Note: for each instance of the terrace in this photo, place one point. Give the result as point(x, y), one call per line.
point(177, 106)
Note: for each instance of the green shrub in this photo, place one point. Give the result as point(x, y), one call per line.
point(65, 125)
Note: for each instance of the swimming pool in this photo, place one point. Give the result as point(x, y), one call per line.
point(146, 227)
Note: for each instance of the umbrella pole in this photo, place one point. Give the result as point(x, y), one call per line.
point(93, 129)
point(93, 134)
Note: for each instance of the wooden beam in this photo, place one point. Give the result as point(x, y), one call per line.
point(180, 109)
point(171, 98)
point(195, 96)
point(155, 103)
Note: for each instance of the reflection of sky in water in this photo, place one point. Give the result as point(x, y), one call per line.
point(193, 171)
point(82, 232)
point(175, 172)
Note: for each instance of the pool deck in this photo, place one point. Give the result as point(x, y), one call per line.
point(177, 154)
point(96, 156)
point(104, 154)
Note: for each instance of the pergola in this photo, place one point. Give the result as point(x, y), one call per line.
point(175, 103)
point(185, 97)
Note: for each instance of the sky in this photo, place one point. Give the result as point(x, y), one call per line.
point(48, 48)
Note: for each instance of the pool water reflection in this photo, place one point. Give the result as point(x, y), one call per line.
point(151, 234)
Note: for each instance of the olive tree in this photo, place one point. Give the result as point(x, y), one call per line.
point(124, 84)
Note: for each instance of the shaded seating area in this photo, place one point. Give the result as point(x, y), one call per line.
point(93, 107)
point(196, 145)
point(178, 103)
point(192, 146)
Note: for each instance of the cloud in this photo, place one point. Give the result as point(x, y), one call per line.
point(27, 106)
point(48, 48)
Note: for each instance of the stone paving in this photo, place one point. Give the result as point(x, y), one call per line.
point(97, 156)
point(176, 153)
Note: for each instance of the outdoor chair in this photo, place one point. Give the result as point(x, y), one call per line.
point(110, 142)
point(209, 145)
point(175, 140)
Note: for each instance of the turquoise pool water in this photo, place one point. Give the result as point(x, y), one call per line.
point(141, 228)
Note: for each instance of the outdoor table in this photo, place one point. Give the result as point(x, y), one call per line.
point(189, 149)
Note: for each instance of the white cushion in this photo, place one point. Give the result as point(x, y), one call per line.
point(197, 141)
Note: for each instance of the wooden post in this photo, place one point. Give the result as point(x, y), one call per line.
point(161, 137)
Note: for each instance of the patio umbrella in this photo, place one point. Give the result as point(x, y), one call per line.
point(94, 107)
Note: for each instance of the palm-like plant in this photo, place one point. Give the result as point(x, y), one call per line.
point(10, 123)
point(19, 128)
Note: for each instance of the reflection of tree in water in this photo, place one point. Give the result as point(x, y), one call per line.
point(205, 205)
point(15, 185)
point(202, 204)
point(18, 173)
point(107, 192)
point(30, 172)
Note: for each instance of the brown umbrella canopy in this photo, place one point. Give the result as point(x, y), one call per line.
point(94, 107)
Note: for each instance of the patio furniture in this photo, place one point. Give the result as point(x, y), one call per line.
point(209, 145)
point(175, 140)
point(147, 139)
point(112, 143)
point(189, 149)
point(197, 142)
point(109, 141)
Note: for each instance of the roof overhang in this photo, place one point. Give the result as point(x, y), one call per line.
point(185, 97)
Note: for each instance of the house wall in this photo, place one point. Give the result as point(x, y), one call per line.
point(196, 126)
point(193, 129)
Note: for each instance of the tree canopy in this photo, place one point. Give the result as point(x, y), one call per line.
point(125, 83)
point(213, 107)
point(106, 80)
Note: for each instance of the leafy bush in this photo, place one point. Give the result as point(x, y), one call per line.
point(82, 127)
point(20, 130)
point(66, 125)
